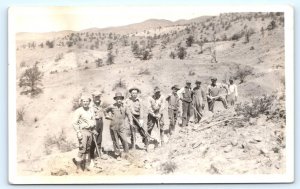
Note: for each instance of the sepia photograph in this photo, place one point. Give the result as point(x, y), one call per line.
point(151, 94)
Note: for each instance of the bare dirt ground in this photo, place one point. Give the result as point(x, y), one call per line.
point(223, 143)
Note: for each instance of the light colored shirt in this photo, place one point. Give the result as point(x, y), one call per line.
point(173, 101)
point(98, 111)
point(156, 106)
point(83, 119)
point(134, 105)
point(213, 91)
point(232, 89)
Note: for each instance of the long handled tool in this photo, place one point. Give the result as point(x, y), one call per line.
point(146, 133)
point(158, 126)
point(97, 149)
point(199, 114)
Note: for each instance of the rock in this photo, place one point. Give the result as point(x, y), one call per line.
point(252, 121)
point(234, 142)
point(227, 149)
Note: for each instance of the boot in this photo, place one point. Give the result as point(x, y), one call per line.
point(78, 165)
point(88, 162)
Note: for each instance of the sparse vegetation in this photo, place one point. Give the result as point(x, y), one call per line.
point(181, 53)
point(168, 167)
point(99, 62)
point(241, 72)
point(30, 80)
point(189, 41)
point(110, 58)
point(119, 84)
point(20, 114)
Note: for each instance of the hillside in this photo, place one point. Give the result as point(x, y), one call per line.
point(148, 54)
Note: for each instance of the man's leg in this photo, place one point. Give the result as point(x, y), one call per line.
point(162, 124)
point(115, 141)
point(211, 104)
point(122, 136)
point(133, 131)
point(172, 121)
point(189, 112)
point(184, 114)
point(224, 102)
point(150, 124)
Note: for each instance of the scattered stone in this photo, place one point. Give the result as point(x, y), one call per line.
point(228, 149)
point(234, 142)
point(59, 172)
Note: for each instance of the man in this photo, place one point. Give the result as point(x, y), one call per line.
point(135, 107)
point(98, 114)
point(118, 114)
point(214, 94)
point(198, 101)
point(84, 125)
point(232, 93)
point(173, 108)
point(185, 95)
point(156, 105)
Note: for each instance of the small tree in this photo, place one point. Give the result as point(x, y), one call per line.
point(110, 58)
point(271, 25)
point(241, 72)
point(50, 44)
point(99, 62)
point(172, 55)
point(189, 41)
point(30, 80)
point(110, 46)
point(181, 53)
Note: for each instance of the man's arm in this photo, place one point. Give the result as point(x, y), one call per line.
point(236, 91)
point(75, 121)
point(149, 106)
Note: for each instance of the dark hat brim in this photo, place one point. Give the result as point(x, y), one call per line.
point(198, 82)
point(134, 88)
point(122, 97)
point(175, 88)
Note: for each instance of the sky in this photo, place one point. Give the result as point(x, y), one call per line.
point(50, 19)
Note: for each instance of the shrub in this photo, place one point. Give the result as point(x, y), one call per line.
point(271, 25)
point(181, 53)
point(119, 84)
point(59, 57)
point(168, 167)
point(20, 114)
point(172, 55)
point(268, 105)
point(99, 62)
point(189, 41)
point(145, 54)
point(144, 72)
point(60, 141)
point(110, 46)
point(241, 72)
point(191, 73)
point(30, 80)
point(251, 48)
point(50, 44)
point(110, 58)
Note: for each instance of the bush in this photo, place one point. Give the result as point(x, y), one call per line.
point(99, 62)
point(20, 114)
point(30, 80)
point(172, 55)
point(189, 41)
point(241, 72)
point(271, 25)
point(144, 72)
point(59, 141)
point(168, 167)
point(181, 53)
point(59, 57)
point(50, 44)
point(145, 54)
point(191, 73)
point(119, 84)
point(110, 58)
point(266, 105)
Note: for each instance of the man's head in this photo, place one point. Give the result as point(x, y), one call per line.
point(198, 83)
point(213, 81)
point(119, 98)
point(134, 92)
point(188, 83)
point(85, 101)
point(97, 97)
point(231, 81)
point(175, 88)
point(156, 92)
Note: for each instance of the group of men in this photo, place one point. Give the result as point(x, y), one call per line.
point(182, 102)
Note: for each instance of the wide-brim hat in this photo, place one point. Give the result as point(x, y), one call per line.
point(85, 97)
point(188, 81)
point(134, 88)
point(118, 95)
point(156, 89)
point(175, 87)
point(214, 79)
point(97, 93)
point(198, 82)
